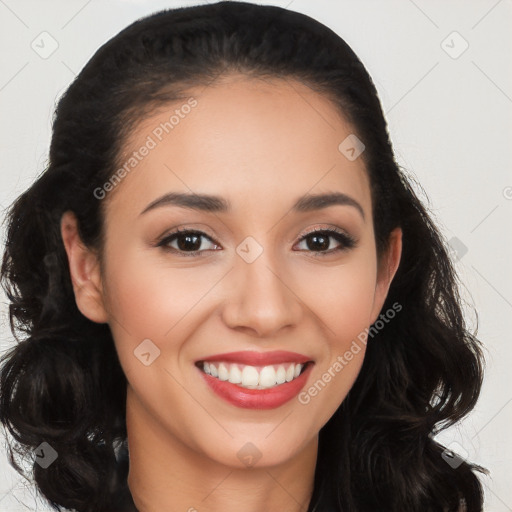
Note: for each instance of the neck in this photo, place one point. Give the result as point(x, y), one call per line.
point(167, 474)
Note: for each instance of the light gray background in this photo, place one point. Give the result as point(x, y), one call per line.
point(449, 115)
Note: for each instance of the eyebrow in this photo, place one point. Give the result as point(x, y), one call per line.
point(216, 204)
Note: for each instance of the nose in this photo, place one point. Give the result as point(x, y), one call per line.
point(261, 299)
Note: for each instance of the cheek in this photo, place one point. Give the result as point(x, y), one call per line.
point(342, 299)
point(149, 299)
point(342, 296)
point(156, 302)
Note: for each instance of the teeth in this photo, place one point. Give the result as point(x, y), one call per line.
point(249, 376)
point(252, 377)
point(235, 375)
point(280, 374)
point(223, 372)
point(267, 377)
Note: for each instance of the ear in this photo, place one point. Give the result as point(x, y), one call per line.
point(84, 269)
point(386, 271)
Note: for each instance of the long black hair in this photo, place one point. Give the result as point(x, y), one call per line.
point(62, 382)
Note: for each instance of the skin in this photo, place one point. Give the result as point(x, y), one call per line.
point(261, 145)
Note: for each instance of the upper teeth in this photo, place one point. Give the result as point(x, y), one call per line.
point(253, 377)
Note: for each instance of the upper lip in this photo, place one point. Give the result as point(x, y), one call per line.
point(253, 358)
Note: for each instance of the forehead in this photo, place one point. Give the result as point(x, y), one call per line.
point(252, 139)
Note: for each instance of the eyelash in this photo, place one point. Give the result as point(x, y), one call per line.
point(347, 241)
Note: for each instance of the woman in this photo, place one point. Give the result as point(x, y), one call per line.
point(228, 293)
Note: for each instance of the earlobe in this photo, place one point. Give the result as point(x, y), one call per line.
point(84, 270)
point(386, 271)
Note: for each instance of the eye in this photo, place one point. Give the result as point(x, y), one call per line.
point(319, 241)
point(184, 241)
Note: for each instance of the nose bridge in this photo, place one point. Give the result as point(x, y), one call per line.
point(260, 297)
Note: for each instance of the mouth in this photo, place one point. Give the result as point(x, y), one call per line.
point(254, 376)
point(256, 380)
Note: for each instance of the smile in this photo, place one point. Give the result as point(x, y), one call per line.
point(256, 380)
point(252, 377)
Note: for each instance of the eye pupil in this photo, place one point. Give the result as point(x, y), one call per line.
point(322, 245)
point(196, 244)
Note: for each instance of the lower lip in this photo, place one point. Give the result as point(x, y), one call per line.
point(257, 398)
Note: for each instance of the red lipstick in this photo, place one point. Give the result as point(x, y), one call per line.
point(269, 398)
point(253, 358)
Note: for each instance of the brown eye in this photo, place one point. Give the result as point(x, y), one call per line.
point(186, 241)
point(320, 241)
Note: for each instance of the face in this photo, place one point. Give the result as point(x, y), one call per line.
point(265, 284)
